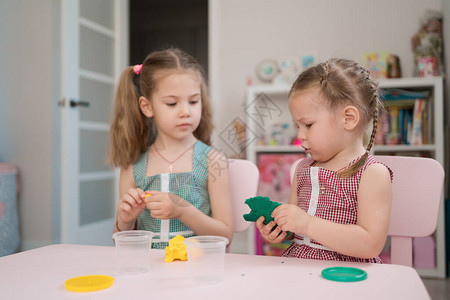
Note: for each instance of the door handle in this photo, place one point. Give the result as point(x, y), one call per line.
point(74, 103)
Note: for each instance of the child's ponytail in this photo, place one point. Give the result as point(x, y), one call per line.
point(129, 126)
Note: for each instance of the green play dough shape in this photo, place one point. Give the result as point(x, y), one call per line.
point(261, 206)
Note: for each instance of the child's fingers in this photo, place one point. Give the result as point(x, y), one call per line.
point(157, 214)
point(267, 229)
point(278, 210)
point(135, 194)
point(281, 220)
point(153, 198)
point(259, 223)
point(275, 211)
point(273, 234)
point(124, 207)
point(280, 237)
point(140, 193)
point(154, 205)
point(127, 198)
point(153, 193)
point(157, 211)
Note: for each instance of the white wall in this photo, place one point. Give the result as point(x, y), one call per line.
point(252, 30)
point(29, 87)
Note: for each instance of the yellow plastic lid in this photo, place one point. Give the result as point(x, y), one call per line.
point(89, 283)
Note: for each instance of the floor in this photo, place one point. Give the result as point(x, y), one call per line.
point(439, 289)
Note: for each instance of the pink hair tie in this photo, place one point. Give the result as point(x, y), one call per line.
point(137, 69)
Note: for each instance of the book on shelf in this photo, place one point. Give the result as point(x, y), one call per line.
point(418, 122)
point(405, 119)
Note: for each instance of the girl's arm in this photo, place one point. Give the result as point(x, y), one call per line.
point(221, 221)
point(130, 204)
point(367, 237)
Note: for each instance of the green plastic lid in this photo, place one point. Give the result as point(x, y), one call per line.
point(344, 274)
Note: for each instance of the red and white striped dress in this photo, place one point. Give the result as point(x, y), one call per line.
point(337, 203)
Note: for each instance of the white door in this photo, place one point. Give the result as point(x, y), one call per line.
point(94, 51)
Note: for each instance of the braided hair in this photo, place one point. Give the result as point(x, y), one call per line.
point(342, 82)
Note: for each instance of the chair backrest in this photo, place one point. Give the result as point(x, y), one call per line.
point(416, 197)
point(244, 178)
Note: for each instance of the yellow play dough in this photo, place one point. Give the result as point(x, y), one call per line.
point(176, 249)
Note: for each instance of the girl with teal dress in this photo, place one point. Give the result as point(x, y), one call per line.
point(171, 181)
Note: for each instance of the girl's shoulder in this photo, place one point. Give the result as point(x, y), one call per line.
point(208, 153)
point(208, 158)
point(371, 160)
point(201, 150)
point(217, 159)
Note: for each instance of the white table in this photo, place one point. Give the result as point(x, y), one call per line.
point(41, 273)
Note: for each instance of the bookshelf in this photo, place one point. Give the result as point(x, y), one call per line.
point(268, 104)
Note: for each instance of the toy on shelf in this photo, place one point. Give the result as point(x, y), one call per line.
point(267, 70)
point(297, 142)
point(427, 46)
point(376, 63)
point(261, 206)
point(427, 66)
point(306, 61)
point(393, 67)
point(280, 134)
point(283, 70)
point(288, 71)
point(176, 249)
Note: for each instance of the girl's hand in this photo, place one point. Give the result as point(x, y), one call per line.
point(130, 207)
point(291, 218)
point(165, 205)
point(272, 236)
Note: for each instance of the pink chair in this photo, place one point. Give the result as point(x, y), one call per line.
point(416, 196)
point(244, 178)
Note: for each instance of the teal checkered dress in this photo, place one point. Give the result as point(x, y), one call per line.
point(191, 186)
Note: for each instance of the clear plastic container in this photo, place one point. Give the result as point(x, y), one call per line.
point(133, 251)
point(206, 258)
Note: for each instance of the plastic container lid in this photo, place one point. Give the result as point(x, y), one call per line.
point(344, 274)
point(89, 283)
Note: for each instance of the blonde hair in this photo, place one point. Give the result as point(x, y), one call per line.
point(342, 82)
point(131, 131)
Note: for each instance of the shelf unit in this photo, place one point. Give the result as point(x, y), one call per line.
point(268, 103)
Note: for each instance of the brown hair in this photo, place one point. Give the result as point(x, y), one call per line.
point(342, 82)
point(131, 131)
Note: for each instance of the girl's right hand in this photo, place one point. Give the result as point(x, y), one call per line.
point(130, 207)
point(267, 232)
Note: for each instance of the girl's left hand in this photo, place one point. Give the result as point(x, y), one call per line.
point(291, 218)
point(164, 205)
